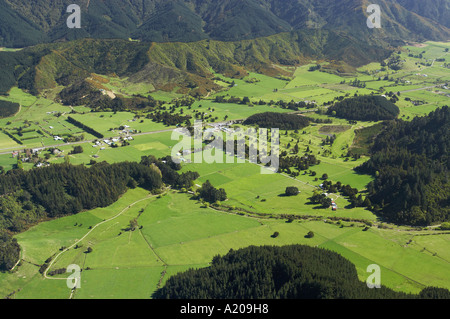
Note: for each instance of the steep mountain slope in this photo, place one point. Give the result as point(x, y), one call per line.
point(228, 20)
point(438, 10)
point(172, 22)
point(185, 64)
point(16, 30)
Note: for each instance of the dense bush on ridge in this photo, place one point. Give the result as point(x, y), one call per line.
point(410, 162)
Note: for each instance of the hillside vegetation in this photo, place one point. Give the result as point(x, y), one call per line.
point(24, 23)
point(185, 64)
point(410, 161)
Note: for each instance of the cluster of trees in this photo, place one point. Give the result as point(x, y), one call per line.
point(291, 105)
point(320, 198)
point(8, 109)
point(9, 251)
point(301, 163)
point(269, 272)
point(314, 68)
point(211, 194)
point(319, 121)
point(77, 150)
point(169, 119)
point(185, 101)
point(168, 169)
point(357, 83)
point(345, 190)
point(365, 108)
point(232, 99)
point(410, 162)
point(18, 211)
point(329, 140)
point(278, 120)
point(395, 63)
point(351, 193)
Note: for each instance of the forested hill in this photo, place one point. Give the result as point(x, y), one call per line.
point(365, 108)
point(29, 22)
point(411, 163)
point(288, 272)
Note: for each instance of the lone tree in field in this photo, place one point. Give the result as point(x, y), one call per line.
point(291, 191)
point(77, 150)
point(310, 234)
point(133, 224)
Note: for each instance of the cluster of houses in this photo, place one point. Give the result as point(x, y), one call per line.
point(111, 142)
point(30, 156)
point(334, 206)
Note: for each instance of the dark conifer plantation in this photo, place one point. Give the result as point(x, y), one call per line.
point(288, 272)
point(365, 108)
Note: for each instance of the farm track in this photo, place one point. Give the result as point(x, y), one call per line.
point(88, 233)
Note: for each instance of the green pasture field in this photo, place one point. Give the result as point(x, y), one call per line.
point(304, 77)
point(102, 122)
point(45, 240)
point(177, 234)
point(252, 90)
point(123, 86)
point(32, 108)
point(248, 188)
point(6, 143)
point(158, 144)
point(233, 111)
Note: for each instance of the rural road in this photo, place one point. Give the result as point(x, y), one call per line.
point(419, 89)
